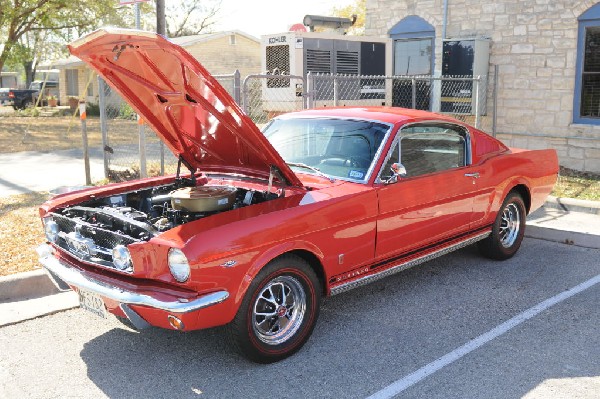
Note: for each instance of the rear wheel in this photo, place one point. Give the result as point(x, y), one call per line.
point(278, 312)
point(26, 104)
point(507, 231)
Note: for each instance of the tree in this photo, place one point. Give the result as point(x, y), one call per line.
point(358, 8)
point(191, 17)
point(27, 25)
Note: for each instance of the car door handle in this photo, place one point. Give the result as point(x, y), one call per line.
point(473, 175)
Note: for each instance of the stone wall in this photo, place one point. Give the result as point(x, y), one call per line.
point(534, 43)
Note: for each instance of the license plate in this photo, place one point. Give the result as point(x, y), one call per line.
point(92, 303)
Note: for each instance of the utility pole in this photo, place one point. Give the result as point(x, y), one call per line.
point(161, 28)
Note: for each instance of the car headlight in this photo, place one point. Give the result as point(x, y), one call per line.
point(121, 258)
point(179, 265)
point(51, 229)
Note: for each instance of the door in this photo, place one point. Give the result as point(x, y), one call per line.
point(434, 201)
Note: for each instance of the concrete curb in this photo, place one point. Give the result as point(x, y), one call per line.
point(33, 284)
point(564, 237)
point(573, 205)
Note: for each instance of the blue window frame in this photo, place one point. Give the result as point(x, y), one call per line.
point(586, 102)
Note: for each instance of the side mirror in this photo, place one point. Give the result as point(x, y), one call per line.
point(398, 170)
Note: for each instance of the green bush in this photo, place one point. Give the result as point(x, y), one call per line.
point(126, 112)
point(92, 109)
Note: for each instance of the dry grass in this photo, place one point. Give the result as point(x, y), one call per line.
point(59, 133)
point(20, 232)
point(575, 184)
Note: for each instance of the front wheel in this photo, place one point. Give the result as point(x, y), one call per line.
point(278, 312)
point(507, 231)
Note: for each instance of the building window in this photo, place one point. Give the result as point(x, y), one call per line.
point(72, 76)
point(414, 43)
point(413, 46)
point(90, 83)
point(413, 56)
point(586, 107)
point(232, 39)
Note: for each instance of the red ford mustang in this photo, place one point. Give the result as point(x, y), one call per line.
point(263, 224)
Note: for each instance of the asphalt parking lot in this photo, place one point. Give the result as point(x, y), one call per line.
point(420, 330)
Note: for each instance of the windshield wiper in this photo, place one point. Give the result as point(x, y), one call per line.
point(305, 166)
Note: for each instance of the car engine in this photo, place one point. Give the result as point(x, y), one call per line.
point(91, 230)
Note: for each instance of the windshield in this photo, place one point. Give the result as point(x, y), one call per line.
point(339, 148)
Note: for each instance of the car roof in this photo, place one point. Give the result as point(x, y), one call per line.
point(392, 115)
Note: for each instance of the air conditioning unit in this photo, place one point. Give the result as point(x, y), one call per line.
point(298, 53)
point(468, 57)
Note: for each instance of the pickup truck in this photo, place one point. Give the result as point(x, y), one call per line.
point(21, 99)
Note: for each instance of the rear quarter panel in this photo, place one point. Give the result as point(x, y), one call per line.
point(536, 170)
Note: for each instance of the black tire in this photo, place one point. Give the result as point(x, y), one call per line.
point(507, 231)
point(262, 338)
point(25, 104)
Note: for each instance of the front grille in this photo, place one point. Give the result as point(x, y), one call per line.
point(88, 243)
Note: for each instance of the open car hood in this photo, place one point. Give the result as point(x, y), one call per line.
point(193, 114)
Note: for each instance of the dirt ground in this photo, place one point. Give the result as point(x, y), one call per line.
point(59, 133)
point(21, 232)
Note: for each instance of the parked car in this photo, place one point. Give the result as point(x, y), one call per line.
point(21, 99)
point(262, 225)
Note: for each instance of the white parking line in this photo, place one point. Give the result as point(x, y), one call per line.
point(425, 371)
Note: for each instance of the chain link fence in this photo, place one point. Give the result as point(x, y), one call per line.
point(462, 97)
point(266, 96)
point(132, 150)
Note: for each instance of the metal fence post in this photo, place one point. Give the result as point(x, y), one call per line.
point(414, 93)
point(84, 138)
point(336, 89)
point(103, 123)
point(476, 105)
point(310, 83)
point(142, 146)
point(237, 96)
point(162, 158)
point(244, 103)
point(495, 101)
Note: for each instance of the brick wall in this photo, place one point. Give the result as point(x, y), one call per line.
point(534, 43)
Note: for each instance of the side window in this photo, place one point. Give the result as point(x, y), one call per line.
point(427, 148)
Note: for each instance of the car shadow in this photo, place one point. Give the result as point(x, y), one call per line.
point(364, 339)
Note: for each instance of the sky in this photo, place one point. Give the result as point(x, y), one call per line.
point(263, 17)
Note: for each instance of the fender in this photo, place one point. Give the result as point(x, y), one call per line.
point(267, 256)
point(515, 181)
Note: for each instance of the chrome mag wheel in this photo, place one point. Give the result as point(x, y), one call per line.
point(510, 225)
point(279, 310)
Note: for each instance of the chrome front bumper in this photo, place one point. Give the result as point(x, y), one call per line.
point(65, 275)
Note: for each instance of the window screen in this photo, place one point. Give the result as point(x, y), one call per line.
point(278, 63)
point(72, 76)
point(590, 87)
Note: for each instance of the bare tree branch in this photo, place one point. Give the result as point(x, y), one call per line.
point(192, 17)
